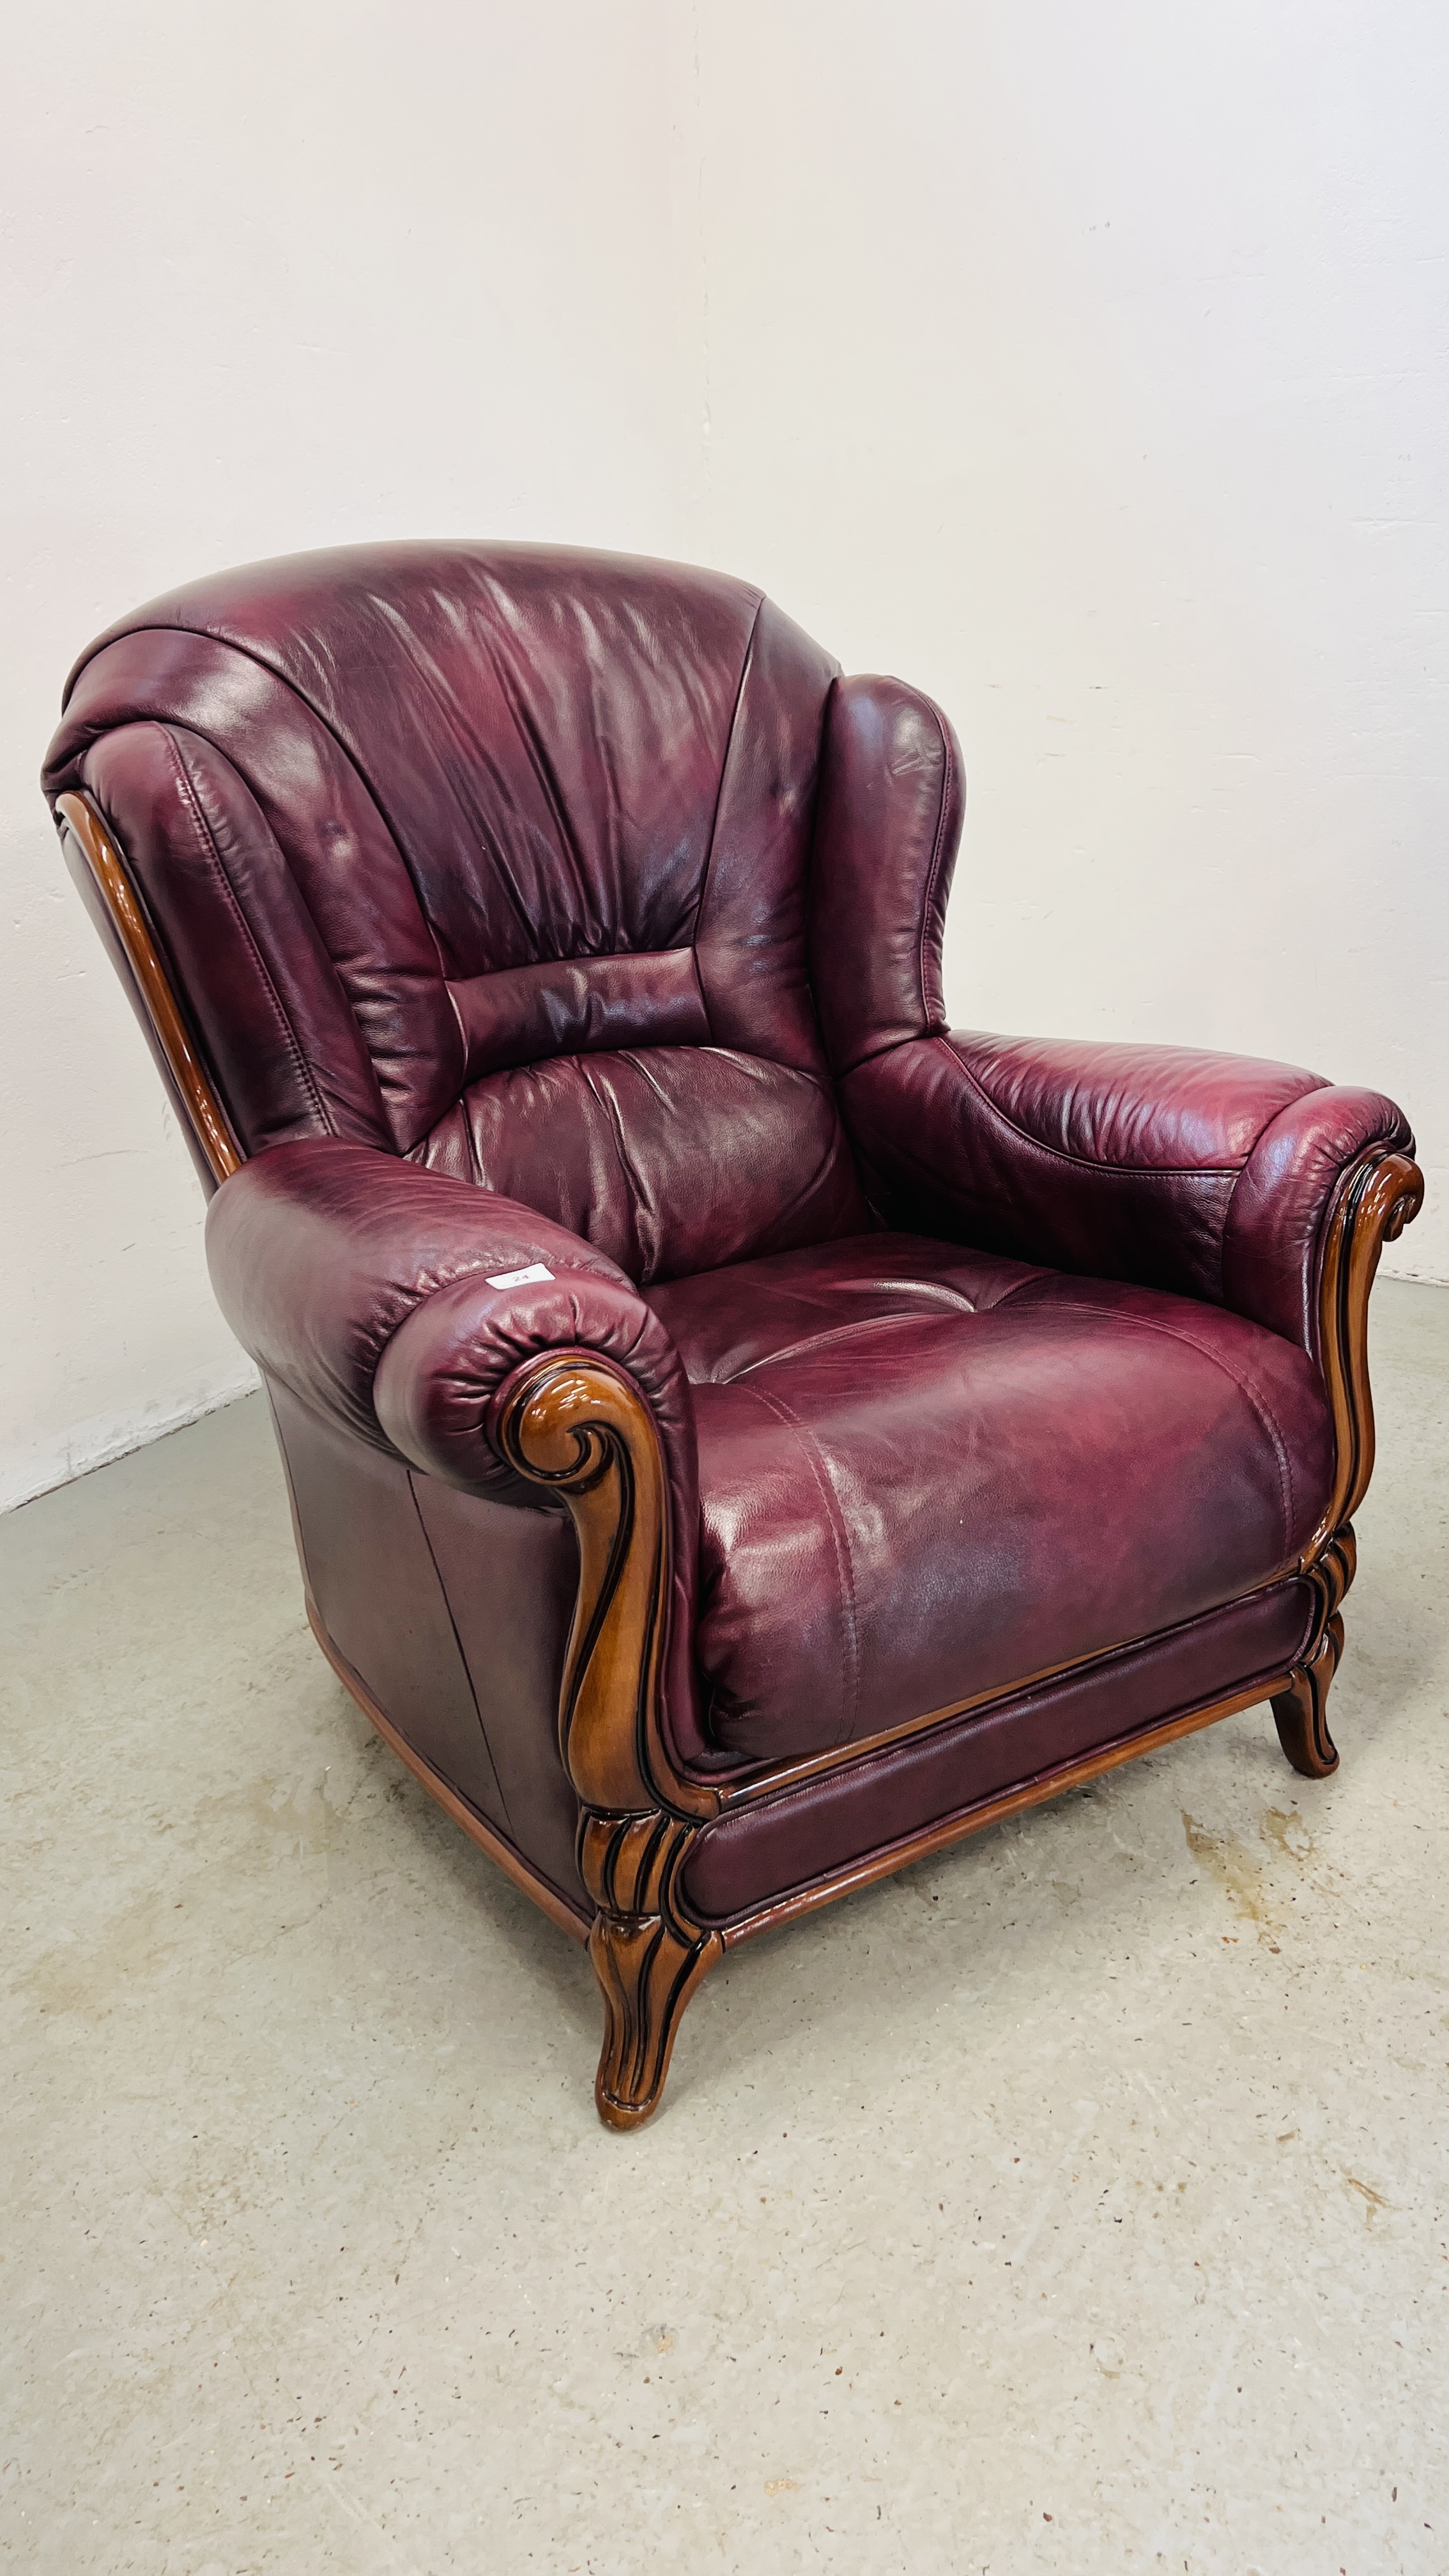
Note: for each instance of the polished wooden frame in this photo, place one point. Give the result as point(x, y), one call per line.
point(579, 1427)
point(209, 1122)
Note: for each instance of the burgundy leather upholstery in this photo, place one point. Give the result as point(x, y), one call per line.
point(452, 1610)
point(1206, 1174)
point(538, 907)
point(495, 858)
point(954, 1427)
point(1203, 1173)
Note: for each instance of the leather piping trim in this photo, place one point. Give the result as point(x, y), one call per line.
point(426, 1537)
point(207, 841)
point(699, 901)
point(782, 1777)
point(838, 1333)
point(1035, 1792)
point(1095, 1163)
point(938, 1015)
point(209, 1122)
point(569, 1918)
point(284, 680)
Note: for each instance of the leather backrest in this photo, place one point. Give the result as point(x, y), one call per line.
point(495, 857)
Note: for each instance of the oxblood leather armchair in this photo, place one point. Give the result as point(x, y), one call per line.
point(741, 1436)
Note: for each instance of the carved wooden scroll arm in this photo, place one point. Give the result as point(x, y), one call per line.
point(1378, 1197)
point(117, 896)
point(582, 1428)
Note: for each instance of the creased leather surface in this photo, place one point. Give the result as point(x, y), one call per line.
point(667, 1158)
point(1123, 1162)
point(725, 1322)
point(418, 771)
point(923, 1502)
point(540, 731)
point(1210, 1175)
point(347, 887)
point(280, 1036)
point(1130, 1108)
point(579, 1005)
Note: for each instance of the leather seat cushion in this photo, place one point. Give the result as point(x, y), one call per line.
point(927, 1474)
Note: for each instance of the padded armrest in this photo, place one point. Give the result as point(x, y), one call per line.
point(1208, 1174)
point(365, 1286)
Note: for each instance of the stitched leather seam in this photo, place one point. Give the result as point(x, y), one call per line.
point(947, 773)
point(694, 964)
point(835, 1333)
point(207, 839)
point(421, 663)
point(1086, 1162)
point(229, 644)
point(299, 890)
point(1246, 1387)
point(723, 773)
point(462, 1038)
point(417, 1154)
point(814, 1459)
point(1128, 1656)
point(820, 1177)
point(467, 1668)
point(1032, 1280)
point(633, 1188)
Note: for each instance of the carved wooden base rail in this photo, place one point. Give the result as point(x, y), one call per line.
point(1377, 1198)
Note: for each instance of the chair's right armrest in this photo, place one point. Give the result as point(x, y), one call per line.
point(1210, 1175)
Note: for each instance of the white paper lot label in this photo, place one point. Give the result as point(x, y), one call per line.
point(518, 1278)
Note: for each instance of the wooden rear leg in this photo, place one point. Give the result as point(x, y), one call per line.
point(1301, 1711)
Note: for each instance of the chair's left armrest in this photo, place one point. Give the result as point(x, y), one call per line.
point(475, 1340)
point(397, 1303)
point(1212, 1175)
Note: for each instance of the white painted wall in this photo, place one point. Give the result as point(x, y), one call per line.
point(280, 276)
point(1089, 367)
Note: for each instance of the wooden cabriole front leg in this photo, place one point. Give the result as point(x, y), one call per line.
point(1378, 1197)
point(580, 1427)
point(1301, 1711)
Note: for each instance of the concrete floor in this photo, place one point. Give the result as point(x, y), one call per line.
point(1078, 2201)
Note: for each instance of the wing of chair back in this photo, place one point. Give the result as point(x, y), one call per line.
point(520, 933)
point(1217, 1177)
